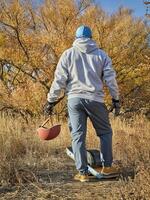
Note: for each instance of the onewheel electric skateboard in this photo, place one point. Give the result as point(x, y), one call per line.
point(94, 163)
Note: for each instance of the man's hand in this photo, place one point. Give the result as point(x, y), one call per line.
point(115, 106)
point(48, 108)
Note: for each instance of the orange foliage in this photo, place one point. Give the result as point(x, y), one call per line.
point(32, 40)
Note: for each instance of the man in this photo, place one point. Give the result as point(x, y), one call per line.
point(80, 72)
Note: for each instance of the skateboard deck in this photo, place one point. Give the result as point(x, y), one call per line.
point(94, 171)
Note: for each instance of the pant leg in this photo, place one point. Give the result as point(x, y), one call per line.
point(78, 126)
point(98, 114)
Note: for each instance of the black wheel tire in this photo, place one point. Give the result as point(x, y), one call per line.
point(93, 157)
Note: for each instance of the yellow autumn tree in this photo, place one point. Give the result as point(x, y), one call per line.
point(32, 40)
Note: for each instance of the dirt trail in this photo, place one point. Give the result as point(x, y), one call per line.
point(58, 183)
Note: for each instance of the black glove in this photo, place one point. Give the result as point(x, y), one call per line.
point(48, 108)
point(116, 106)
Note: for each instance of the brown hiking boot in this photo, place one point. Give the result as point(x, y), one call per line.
point(109, 170)
point(81, 177)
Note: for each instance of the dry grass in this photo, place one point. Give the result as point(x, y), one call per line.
point(35, 169)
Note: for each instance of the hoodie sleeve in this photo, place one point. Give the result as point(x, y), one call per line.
point(60, 79)
point(109, 77)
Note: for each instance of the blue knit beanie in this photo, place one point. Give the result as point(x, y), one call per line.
point(83, 31)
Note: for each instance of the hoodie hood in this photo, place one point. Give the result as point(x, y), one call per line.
point(85, 45)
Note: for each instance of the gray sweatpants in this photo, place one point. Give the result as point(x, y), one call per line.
point(79, 110)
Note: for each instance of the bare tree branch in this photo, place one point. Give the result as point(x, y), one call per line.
point(20, 68)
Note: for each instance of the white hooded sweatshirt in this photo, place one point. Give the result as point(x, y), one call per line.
point(81, 72)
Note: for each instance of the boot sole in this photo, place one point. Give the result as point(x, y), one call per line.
point(110, 175)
